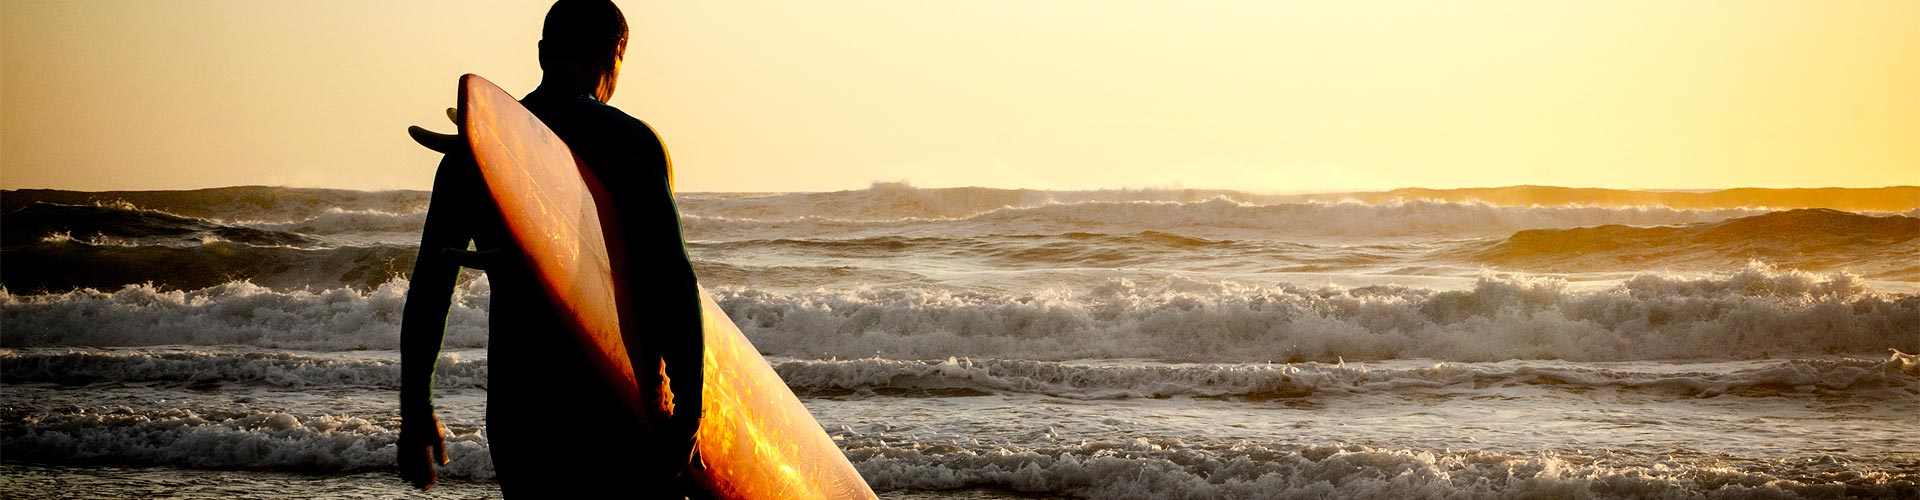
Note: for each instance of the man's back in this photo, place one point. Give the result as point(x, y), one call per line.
point(660, 319)
point(553, 421)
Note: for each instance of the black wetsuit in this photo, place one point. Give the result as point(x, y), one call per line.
point(553, 424)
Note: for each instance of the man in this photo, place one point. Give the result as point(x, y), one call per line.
point(554, 425)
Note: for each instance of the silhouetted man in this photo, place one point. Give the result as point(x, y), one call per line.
point(555, 425)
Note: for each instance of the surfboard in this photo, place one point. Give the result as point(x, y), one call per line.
point(757, 440)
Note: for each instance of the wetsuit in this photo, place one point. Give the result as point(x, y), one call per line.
point(554, 424)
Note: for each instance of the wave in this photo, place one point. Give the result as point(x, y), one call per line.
point(1168, 468)
point(129, 225)
point(1139, 468)
point(782, 276)
point(888, 201)
point(1114, 380)
point(1269, 381)
point(1216, 218)
point(234, 313)
point(214, 368)
point(1810, 239)
point(1008, 251)
point(899, 200)
point(268, 440)
point(63, 263)
point(53, 247)
point(1882, 199)
point(1755, 313)
point(66, 264)
point(338, 221)
point(231, 203)
point(893, 200)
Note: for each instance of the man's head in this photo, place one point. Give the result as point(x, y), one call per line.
point(582, 44)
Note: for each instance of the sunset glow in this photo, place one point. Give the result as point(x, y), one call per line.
point(778, 96)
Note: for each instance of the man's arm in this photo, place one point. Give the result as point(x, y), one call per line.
point(429, 290)
point(673, 334)
point(424, 317)
point(684, 349)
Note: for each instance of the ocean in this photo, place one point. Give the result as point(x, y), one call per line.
point(992, 343)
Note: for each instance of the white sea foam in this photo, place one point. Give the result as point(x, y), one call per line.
point(258, 440)
point(235, 313)
point(1755, 313)
point(1155, 469)
point(1108, 380)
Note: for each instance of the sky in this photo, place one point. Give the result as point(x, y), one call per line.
point(1256, 95)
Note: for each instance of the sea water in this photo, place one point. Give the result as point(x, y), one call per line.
point(977, 343)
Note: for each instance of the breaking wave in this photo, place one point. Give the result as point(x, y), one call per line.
point(235, 313)
point(1808, 239)
point(1109, 380)
point(1755, 313)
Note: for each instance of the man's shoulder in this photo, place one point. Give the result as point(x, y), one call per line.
point(584, 115)
point(615, 119)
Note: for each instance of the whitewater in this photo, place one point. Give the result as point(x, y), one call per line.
point(986, 343)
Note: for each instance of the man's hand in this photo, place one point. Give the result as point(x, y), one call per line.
point(422, 447)
point(442, 143)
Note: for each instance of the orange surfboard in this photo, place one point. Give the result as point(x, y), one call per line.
point(757, 440)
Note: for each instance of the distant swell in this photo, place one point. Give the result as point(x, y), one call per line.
point(900, 201)
point(1812, 239)
point(67, 265)
point(130, 225)
point(1214, 218)
point(232, 203)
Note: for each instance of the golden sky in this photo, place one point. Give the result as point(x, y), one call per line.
point(1257, 95)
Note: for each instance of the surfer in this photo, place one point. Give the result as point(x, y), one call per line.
point(554, 424)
